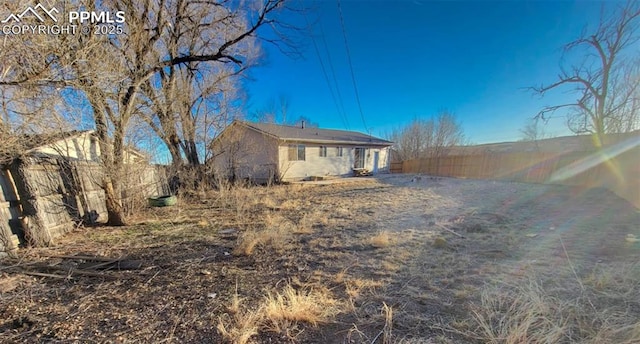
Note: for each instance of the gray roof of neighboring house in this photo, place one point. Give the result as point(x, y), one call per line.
point(316, 135)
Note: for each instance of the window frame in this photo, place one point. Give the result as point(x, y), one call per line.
point(323, 151)
point(297, 152)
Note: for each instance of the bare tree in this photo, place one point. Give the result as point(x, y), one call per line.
point(303, 121)
point(111, 72)
point(607, 80)
point(447, 133)
point(275, 111)
point(190, 102)
point(413, 140)
point(425, 138)
point(25, 112)
point(532, 131)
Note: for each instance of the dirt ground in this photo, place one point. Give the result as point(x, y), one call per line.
point(395, 259)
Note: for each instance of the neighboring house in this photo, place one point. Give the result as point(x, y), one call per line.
point(52, 182)
point(72, 145)
point(263, 152)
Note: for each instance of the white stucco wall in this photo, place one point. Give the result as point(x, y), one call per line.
point(331, 165)
point(251, 154)
point(83, 147)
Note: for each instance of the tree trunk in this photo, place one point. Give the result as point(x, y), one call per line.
point(192, 153)
point(114, 207)
point(111, 167)
point(176, 159)
point(174, 146)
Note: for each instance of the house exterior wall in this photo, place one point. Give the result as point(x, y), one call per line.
point(245, 154)
point(83, 147)
point(331, 165)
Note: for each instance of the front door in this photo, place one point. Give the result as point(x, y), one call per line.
point(376, 157)
point(359, 158)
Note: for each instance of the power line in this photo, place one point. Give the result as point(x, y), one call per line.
point(333, 73)
point(342, 115)
point(353, 77)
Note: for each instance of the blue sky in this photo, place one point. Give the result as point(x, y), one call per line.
point(413, 58)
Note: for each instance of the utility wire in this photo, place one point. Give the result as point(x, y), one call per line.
point(342, 115)
point(333, 73)
point(353, 77)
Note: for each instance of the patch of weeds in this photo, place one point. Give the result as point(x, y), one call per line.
point(354, 286)
point(380, 240)
point(275, 235)
point(238, 328)
point(290, 306)
point(549, 312)
point(388, 323)
point(440, 242)
point(239, 325)
point(464, 292)
point(389, 266)
point(620, 278)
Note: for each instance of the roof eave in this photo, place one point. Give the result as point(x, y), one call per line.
point(341, 142)
point(249, 126)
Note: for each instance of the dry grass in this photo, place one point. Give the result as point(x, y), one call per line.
point(240, 327)
point(523, 316)
point(388, 324)
point(309, 220)
point(250, 240)
point(290, 306)
point(240, 324)
point(380, 240)
point(323, 242)
point(355, 286)
point(291, 204)
point(463, 292)
point(439, 242)
point(276, 235)
point(389, 266)
point(279, 312)
point(247, 243)
point(546, 312)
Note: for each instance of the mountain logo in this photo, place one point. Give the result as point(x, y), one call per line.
point(38, 11)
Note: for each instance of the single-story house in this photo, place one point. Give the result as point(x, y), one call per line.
point(264, 151)
point(73, 145)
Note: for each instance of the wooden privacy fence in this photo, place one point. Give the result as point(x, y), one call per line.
point(44, 198)
point(619, 173)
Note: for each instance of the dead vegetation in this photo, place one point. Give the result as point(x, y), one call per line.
point(382, 239)
point(556, 311)
point(437, 262)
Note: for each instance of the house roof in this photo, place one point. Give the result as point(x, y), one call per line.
point(315, 135)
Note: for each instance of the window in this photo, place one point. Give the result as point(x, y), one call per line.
point(323, 151)
point(296, 153)
point(338, 151)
